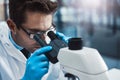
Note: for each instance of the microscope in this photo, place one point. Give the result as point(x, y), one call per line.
point(76, 61)
point(82, 63)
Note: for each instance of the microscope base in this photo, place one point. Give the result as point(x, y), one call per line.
point(86, 76)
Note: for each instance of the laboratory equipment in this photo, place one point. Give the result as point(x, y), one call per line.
point(56, 44)
point(82, 63)
point(76, 61)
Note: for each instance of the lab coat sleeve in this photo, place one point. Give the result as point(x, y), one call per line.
point(54, 73)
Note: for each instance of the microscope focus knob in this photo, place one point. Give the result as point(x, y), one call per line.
point(75, 43)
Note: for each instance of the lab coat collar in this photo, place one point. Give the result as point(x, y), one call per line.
point(7, 44)
point(14, 52)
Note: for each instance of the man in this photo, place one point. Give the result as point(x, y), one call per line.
point(27, 18)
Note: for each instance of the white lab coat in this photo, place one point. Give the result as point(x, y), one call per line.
point(12, 61)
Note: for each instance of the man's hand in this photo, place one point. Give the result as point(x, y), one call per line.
point(62, 37)
point(37, 65)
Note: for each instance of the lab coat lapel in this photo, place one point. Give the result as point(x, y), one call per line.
point(13, 52)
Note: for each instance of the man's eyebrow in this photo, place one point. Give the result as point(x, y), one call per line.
point(36, 30)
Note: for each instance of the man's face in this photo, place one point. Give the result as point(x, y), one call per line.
point(34, 23)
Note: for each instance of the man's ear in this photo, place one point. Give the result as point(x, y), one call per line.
point(12, 26)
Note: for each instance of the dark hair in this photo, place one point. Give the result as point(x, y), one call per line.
point(17, 8)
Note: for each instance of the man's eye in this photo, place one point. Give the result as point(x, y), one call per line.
point(31, 32)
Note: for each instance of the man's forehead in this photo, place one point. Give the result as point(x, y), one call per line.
point(38, 20)
point(36, 17)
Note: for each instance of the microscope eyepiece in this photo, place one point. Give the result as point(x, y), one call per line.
point(75, 43)
point(52, 35)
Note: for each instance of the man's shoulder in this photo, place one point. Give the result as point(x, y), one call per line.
point(4, 29)
point(3, 25)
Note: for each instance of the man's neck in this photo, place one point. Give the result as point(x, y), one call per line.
point(13, 42)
